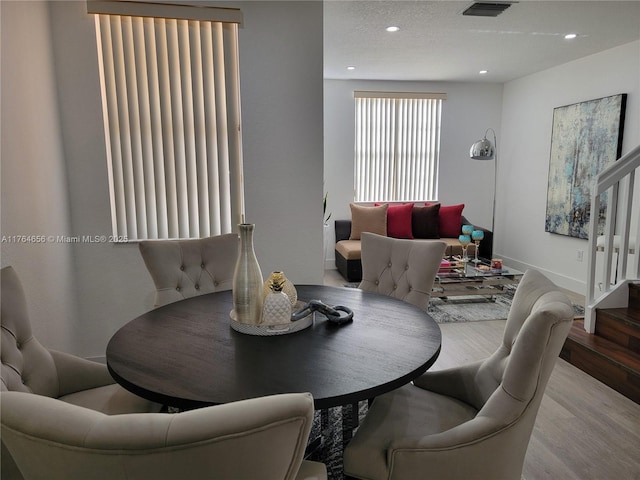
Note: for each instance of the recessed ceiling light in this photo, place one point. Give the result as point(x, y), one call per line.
point(392, 29)
point(483, 72)
point(351, 67)
point(570, 36)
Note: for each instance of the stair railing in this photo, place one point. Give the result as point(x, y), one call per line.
point(618, 211)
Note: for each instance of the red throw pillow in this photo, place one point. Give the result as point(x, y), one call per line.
point(450, 220)
point(399, 220)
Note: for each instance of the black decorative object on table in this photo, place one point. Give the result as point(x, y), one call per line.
point(338, 314)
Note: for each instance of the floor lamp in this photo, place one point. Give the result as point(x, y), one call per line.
point(485, 150)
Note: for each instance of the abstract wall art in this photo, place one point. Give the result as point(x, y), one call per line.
point(586, 138)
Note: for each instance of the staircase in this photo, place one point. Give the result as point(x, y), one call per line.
point(612, 353)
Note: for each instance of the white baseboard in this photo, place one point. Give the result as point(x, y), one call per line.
point(563, 281)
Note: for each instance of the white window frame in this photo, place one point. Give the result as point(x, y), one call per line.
point(397, 146)
point(171, 104)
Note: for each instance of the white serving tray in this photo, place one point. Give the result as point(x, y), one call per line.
point(269, 330)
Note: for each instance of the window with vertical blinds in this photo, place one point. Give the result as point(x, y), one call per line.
point(397, 145)
point(171, 104)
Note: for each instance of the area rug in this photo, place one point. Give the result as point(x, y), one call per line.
point(470, 309)
point(475, 308)
point(330, 450)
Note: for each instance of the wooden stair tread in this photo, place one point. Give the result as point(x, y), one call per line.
point(612, 353)
point(623, 357)
point(634, 295)
point(630, 315)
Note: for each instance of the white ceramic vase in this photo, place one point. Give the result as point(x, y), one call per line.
point(276, 309)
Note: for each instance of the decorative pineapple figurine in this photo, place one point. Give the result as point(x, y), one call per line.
point(287, 287)
point(276, 308)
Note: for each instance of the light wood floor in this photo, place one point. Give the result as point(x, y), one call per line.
point(584, 429)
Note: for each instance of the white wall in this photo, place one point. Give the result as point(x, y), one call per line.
point(34, 186)
point(281, 81)
point(469, 110)
point(521, 117)
point(524, 157)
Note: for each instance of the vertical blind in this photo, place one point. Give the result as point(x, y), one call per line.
point(170, 91)
point(397, 145)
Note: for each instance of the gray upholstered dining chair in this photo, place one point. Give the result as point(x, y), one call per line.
point(400, 268)
point(257, 438)
point(186, 268)
point(27, 366)
point(473, 421)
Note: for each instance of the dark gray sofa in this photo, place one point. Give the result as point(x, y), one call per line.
point(351, 268)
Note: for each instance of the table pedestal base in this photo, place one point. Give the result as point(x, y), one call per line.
point(332, 431)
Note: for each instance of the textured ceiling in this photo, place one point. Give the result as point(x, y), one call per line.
point(437, 43)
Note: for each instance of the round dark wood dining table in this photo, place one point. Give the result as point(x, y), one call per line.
point(186, 355)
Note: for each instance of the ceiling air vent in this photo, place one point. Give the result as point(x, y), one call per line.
point(487, 9)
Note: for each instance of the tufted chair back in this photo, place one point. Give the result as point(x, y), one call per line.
point(474, 420)
point(529, 345)
point(186, 268)
point(404, 269)
point(27, 366)
point(54, 440)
